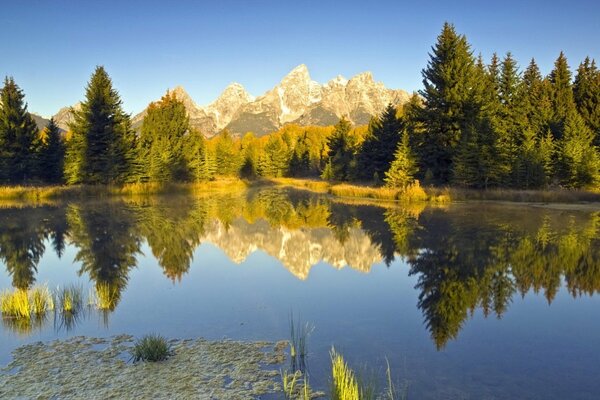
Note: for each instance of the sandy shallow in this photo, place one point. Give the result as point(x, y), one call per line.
point(92, 368)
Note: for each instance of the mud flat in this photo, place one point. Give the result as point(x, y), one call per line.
point(93, 368)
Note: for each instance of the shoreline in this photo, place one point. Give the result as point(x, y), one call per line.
point(413, 194)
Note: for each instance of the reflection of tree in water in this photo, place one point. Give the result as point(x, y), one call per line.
point(22, 235)
point(173, 230)
point(108, 243)
point(471, 259)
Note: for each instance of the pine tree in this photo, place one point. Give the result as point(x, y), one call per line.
point(52, 154)
point(275, 160)
point(200, 160)
point(586, 90)
point(18, 135)
point(403, 169)
point(161, 142)
point(227, 155)
point(377, 152)
point(448, 81)
point(579, 160)
point(563, 103)
point(341, 151)
point(101, 149)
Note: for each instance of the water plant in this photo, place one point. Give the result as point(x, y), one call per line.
point(296, 386)
point(299, 333)
point(69, 307)
point(24, 304)
point(344, 385)
point(105, 297)
point(151, 348)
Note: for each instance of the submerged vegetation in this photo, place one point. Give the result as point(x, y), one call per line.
point(151, 348)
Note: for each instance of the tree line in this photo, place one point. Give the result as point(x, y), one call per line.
point(474, 124)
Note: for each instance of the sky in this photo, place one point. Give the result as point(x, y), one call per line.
point(52, 47)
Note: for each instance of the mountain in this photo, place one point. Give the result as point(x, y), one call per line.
point(40, 121)
point(296, 99)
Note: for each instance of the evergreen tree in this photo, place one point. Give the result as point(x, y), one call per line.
point(227, 155)
point(403, 169)
point(300, 160)
point(448, 82)
point(274, 161)
point(161, 142)
point(19, 138)
point(377, 152)
point(563, 103)
point(586, 90)
point(200, 160)
point(102, 146)
point(478, 162)
point(52, 154)
point(250, 153)
point(579, 161)
point(341, 151)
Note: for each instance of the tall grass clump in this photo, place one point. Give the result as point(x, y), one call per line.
point(344, 385)
point(15, 304)
point(69, 306)
point(104, 297)
point(296, 386)
point(298, 343)
point(25, 304)
point(151, 348)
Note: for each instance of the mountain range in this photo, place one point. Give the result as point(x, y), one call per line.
point(296, 99)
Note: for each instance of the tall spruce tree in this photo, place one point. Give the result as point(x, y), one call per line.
point(161, 142)
point(448, 81)
point(586, 90)
point(377, 152)
point(19, 137)
point(52, 154)
point(341, 152)
point(403, 169)
point(579, 162)
point(563, 103)
point(102, 145)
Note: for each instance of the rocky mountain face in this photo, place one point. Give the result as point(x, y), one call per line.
point(296, 99)
point(297, 250)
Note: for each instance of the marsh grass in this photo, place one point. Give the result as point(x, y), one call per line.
point(104, 297)
point(296, 386)
point(69, 307)
point(299, 334)
point(344, 385)
point(26, 304)
point(151, 348)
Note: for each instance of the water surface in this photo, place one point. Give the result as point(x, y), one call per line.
point(473, 300)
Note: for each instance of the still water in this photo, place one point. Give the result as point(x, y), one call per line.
point(466, 301)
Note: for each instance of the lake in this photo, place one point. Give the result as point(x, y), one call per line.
point(465, 301)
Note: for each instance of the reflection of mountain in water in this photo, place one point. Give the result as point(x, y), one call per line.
point(465, 257)
point(298, 250)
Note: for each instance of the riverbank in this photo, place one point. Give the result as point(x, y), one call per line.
point(413, 194)
point(440, 194)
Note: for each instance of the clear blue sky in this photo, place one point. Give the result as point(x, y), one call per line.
point(51, 47)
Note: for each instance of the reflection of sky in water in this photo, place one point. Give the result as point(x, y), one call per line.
point(535, 350)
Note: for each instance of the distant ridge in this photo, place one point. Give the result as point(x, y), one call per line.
point(295, 99)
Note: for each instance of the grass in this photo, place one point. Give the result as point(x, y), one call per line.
point(55, 192)
point(69, 306)
point(344, 385)
point(104, 297)
point(514, 195)
point(151, 348)
point(298, 344)
point(25, 304)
